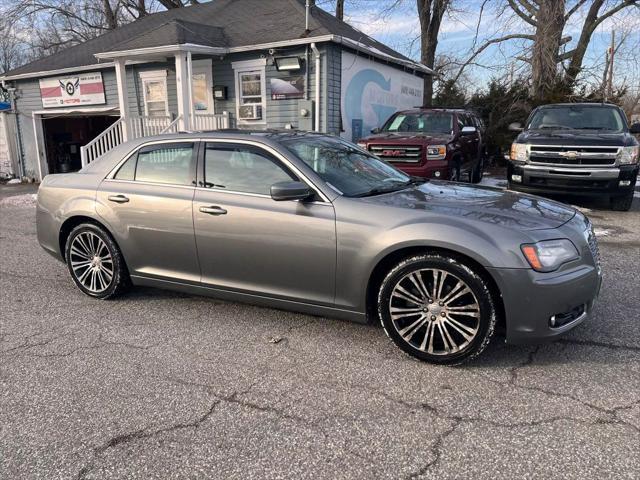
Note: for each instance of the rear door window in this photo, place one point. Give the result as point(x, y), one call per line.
point(169, 163)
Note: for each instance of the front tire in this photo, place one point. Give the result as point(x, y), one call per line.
point(95, 262)
point(437, 309)
point(623, 203)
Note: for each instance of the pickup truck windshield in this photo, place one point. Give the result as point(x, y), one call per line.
point(577, 118)
point(346, 168)
point(431, 122)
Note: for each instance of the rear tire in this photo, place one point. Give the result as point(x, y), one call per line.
point(437, 309)
point(454, 170)
point(477, 172)
point(95, 262)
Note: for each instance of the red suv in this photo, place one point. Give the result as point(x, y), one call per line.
point(441, 143)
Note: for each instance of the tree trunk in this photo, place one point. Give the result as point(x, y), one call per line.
point(548, 36)
point(340, 9)
point(110, 16)
point(430, 13)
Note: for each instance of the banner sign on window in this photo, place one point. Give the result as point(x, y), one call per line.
point(82, 89)
point(288, 87)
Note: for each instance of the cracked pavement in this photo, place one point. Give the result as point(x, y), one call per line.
point(165, 385)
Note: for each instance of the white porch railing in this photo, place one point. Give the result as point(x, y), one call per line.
point(110, 138)
point(173, 126)
point(138, 127)
point(147, 126)
point(209, 121)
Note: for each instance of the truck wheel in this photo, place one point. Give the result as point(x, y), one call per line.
point(623, 203)
point(454, 170)
point(477, 172)
point(437, 309)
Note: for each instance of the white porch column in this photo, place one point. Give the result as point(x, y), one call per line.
point(183, 86)
point(121, 78)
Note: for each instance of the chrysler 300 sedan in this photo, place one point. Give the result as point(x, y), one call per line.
point(311, 223)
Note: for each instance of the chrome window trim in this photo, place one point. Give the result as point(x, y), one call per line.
point(268, 148)
point(153, 184)
point(275, 153)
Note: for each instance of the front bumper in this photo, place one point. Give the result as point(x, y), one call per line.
point(532, 298)
point(573, 181)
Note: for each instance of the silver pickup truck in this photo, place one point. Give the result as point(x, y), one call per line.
point(576, 149)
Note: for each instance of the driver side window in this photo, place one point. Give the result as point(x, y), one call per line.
point(242, 168)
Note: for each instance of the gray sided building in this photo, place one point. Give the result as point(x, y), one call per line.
point(252, 64)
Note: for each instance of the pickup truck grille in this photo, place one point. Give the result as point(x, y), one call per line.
point(397, 153)
point(574, 156)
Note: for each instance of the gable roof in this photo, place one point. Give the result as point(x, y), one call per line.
point(219, 23)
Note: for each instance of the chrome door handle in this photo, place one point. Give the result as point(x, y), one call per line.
point(213, 210)
point(118, 198)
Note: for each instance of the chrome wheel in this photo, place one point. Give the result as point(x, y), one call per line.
point(434, 311)
point(91, 262)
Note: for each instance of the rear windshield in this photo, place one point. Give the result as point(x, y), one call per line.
point(577, 118)
point(431, 122)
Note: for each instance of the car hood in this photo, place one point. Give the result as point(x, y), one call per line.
point(483, 204)
point(409, 137)
point(574, 138)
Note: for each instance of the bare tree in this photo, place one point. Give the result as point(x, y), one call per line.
point(430, 13)
point(549, 18)
point(340, 9)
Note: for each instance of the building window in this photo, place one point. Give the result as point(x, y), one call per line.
point(202, 87)
point(154, 88)
point(251, 91)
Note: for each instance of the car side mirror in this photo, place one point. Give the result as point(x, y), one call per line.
point(515, 127)
point(635, 128)
point(376, 130)
point(290, 191)
point(468, 130)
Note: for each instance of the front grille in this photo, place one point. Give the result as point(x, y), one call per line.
point(574, 156)
point(593, 246)
point(397, 153)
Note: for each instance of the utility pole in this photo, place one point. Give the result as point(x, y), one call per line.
point(612, 53)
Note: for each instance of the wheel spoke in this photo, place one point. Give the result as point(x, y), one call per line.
point(467, 332)
point(416, 279)
point(85, 244)
point(462, 292)
point(401, 292)
point(453, 291)
point(408, 332)
point(398, 313)
point(449, 344)
point(428, 337)
point(77, 265)
point(443, 276)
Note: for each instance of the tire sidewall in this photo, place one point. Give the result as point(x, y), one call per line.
point(477, 285)
point(119, 272)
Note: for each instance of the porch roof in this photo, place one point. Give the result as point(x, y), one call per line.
point(232, 25)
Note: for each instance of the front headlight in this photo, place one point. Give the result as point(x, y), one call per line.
point(628, 155)
point(548, 255)
point(519, 152)
point(436, 152)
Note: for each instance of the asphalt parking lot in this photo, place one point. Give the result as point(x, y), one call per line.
point(164, 385)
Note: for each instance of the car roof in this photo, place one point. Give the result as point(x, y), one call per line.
point(436, 109)
point(578, 104)
point(270, 137)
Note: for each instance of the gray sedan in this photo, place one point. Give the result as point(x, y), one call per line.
point(312, 223)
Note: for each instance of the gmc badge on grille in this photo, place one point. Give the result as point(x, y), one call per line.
point(392, 153)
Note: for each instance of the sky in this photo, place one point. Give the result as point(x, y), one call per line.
point(399, 28)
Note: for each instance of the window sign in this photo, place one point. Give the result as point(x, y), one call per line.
point(76, 90)
point(287, 88)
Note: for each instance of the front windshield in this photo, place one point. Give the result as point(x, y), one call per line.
point(345, 167)
point(577, 118)
point(428, 122)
